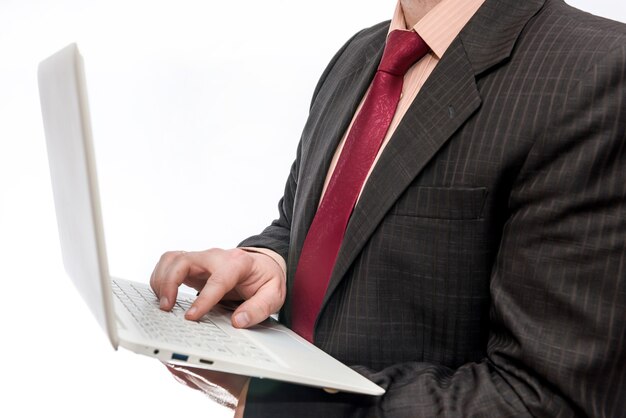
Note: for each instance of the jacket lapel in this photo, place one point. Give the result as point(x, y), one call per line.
point(330, 117)
point(449, 97)
point(317, 154)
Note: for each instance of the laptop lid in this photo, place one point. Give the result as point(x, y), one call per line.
point(67, 126)
point(72, 166)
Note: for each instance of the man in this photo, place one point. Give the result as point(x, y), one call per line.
point(482, 268)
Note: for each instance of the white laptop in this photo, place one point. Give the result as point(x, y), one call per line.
point(128, 311)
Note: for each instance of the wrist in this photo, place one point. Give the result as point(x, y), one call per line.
point(272, 255)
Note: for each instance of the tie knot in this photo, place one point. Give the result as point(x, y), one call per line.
point(402, 50)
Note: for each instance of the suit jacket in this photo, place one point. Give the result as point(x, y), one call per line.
point(483, 271)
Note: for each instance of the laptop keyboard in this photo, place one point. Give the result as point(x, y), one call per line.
point(173, 328)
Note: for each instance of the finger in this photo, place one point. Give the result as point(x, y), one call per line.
point(235, 267)
point(153, 283)
point(266, 301)
point(157, 267)
point(213, 291)
point(160, 267)
point(241, 404)
point(170, 276)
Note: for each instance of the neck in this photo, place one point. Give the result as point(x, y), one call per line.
point(414, 10)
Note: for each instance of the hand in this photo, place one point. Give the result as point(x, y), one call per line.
point(225, 388)
point(222, 274)
point(242, 401)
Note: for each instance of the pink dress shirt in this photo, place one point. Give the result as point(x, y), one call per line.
point(438, 28)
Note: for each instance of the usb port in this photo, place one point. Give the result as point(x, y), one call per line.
point(205, 361)
point(181, 357)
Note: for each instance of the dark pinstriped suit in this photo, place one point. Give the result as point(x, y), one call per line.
point(483, 271)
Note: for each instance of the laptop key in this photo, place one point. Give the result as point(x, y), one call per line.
point(173, 328)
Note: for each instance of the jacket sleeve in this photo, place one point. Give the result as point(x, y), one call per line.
point(557, 342)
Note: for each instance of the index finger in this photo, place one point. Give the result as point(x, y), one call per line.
point(221, 282)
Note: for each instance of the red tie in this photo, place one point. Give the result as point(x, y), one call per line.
point(323, 240)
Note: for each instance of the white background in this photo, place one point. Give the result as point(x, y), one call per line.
point(197, 108)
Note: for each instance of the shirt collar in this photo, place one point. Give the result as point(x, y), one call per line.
point(441, 24)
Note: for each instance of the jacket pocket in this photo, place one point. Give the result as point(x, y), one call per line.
point(453, 203)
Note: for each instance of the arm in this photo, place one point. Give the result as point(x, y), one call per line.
point(255, 272)
point(238, 273)
point(557, 343)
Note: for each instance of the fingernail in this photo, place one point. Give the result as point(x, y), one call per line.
point(242, 319)
point(164, 303)
point(192, 311)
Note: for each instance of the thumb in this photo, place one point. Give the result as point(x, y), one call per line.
point(258, 308)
